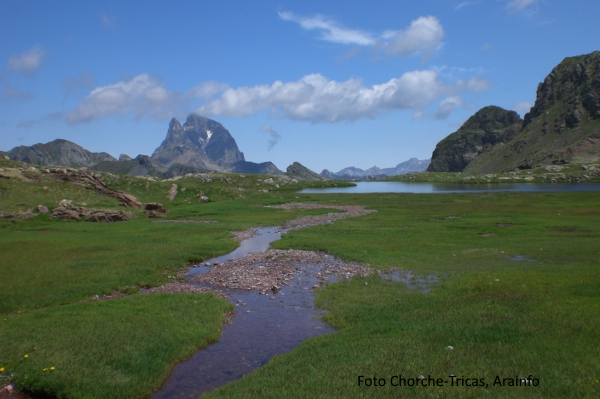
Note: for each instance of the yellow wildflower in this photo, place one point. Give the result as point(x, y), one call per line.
point(45, 369)
point(26, 356)
point(52, 368)
point(1, 369)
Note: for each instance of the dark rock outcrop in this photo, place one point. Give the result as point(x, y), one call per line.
point(155, 210)
point(58, 152)
point(300, 172)
point(92, 182)
point(66, 210)
point(489, 127)
point(562, 127)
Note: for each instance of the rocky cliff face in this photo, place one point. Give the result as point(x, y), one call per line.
point(300, 172)
point(58, 152)
point(200, 143)
point(563, 126)
point(489, 127)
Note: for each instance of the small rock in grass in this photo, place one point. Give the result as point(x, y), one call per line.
point(449, 347)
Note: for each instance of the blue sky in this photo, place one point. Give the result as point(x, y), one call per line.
point(329, 84)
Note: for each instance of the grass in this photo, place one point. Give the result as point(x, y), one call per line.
point(50, 269)
point(113, 349)
point(503, 317)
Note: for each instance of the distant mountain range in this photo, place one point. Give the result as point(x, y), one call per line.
point(351, 172)
point(199, 145)
point(562, 127)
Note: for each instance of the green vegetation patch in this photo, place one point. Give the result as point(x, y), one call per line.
point(120, 348)
point(516, 295)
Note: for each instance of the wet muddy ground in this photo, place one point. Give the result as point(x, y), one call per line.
point(272, 291)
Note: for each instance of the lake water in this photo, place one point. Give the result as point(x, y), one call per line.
point(442, 188)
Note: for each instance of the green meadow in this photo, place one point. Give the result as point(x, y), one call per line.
point(516, 292)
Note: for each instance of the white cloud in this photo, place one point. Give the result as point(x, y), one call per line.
point(207, 90)
point(26, 62)
point(522, 107)
point(424, 35)
point(518, 5)
point(331, 30)
point(317, 99)
point(274, 136)
point(142, 95)
point(447, 106)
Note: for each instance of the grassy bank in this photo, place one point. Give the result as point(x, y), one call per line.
point(518, 291)
point(518, 296)
point(50, 270)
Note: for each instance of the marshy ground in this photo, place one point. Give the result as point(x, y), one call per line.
point(517, 293)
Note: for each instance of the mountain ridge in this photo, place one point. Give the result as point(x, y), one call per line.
point(351, 172)
point(563, 126)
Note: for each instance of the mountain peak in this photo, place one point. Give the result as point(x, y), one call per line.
point(174, 124)
point(200, 143)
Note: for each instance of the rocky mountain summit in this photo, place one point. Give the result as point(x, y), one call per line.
point(201, 143)
point(489, 127)
point(300, 172)
point(57, 152)
point(562, 127)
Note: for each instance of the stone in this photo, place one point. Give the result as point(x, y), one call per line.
point(66, 210)
point(155, 210)
point(42, 209)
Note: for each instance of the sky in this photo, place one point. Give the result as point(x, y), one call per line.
point(329, 84)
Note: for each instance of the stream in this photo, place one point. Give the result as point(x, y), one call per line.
point(261, 329)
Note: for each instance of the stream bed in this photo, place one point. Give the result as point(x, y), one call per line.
point(262, 328)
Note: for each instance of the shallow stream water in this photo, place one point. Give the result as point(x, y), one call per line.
point(261, 329)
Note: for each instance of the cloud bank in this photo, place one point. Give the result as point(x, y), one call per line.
point(26, 62)
point(423, 36)
point(142, 95)
point(313, 98)
point(316, 99)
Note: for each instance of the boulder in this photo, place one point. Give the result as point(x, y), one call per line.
point(155, 210)
point(66, 210)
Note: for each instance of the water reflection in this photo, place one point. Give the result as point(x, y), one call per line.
point(440, 188)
